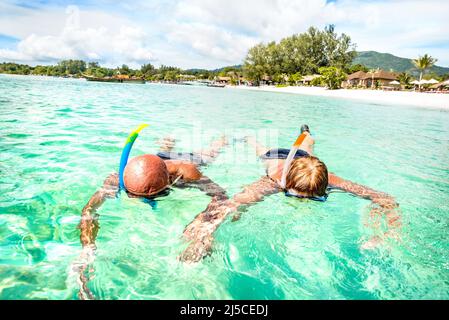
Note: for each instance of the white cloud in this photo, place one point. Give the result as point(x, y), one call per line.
point(125, 44)
point(404, 28)
point(210, 41)
point(223, 31)
point(208, 34)
point(268, 19)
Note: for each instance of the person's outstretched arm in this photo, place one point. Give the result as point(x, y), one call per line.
point(89, 217)
point(89, 228)
point(206, 185)
point(199, 231)
point(384, 205)
point(185, 174)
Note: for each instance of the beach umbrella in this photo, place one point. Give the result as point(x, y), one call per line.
point(432, 81)
point(415, 82)
point(394, 82)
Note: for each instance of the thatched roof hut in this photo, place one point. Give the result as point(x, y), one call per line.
point(380, 75)
point(357, 75)
point(309, 77)
point(122, 76)
point(439, 85)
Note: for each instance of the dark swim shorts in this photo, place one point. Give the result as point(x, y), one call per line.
point(184, 156)
point(282, 153)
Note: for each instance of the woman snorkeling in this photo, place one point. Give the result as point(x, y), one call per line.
point(296, 172)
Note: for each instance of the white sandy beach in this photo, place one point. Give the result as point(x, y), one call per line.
point(419, 99)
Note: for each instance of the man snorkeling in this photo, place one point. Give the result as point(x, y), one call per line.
point(297, 173)
point(147, 177)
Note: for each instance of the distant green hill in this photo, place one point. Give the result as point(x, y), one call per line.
point(237, 66)
point(374, 59)
point(387, 61)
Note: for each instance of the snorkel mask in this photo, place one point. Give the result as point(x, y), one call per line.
point(287, 165)
point(292, 193)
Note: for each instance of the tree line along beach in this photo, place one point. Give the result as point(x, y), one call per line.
point(316, 62)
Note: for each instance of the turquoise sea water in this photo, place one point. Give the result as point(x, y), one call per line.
point(59, 139)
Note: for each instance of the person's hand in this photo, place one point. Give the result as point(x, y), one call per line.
point(386, 202)
point(372, 243)
point(223, 140)
point(377, 241)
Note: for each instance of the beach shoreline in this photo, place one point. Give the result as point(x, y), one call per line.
point(398, 98)
point(405, 98)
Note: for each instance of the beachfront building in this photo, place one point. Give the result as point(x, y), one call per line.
point(266, 80)
point(222, 80)
point(355, 79)
point(379, 78)
point(307, 80)
point(186, 77)
point(440, 87)
point(121, 76)
point(243, 80)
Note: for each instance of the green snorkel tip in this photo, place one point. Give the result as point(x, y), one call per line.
point(133, 135)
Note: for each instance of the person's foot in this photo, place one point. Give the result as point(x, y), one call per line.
point(166, 144)
point(305, 127)
point(251, 140)
point(224, 140)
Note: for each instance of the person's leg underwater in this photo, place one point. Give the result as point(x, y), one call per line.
point(200, 157)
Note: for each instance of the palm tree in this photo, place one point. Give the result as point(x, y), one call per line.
point(372, 71)
point(422, 64)
point(233, 74)
point(239, 75)
point(405, 79)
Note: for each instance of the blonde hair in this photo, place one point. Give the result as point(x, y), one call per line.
point(308, 175)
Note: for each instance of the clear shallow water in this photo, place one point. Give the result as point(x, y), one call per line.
point(60, 138)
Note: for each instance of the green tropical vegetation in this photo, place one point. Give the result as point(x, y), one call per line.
point(332, 77)
point(324, 56)
point(298, 55)
point(387, 61)
point(79, 68)
point(423, 63)
point(405, 79)
point(358, 67)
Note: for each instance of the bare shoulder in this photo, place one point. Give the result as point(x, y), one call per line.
point(274, 168)
point(186, 170)
point(334, 180)
point(265, 182)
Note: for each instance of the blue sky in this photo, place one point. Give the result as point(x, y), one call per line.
point(209, 33)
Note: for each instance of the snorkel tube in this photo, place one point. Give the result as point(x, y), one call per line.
point(125, 153)
point(290, 158)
